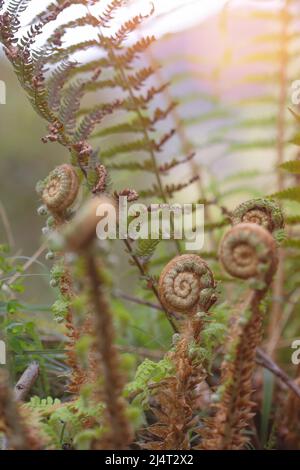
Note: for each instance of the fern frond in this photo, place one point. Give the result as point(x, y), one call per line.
point(108, 15)
point(15, 7)
point(292, 219)
point(173, 188)
point(291, 243)
point(146, 165)
point(56, 83)
point(134, 146)
point(292, 166)
point(89, 122)
point(146, 248)
point(129, 26)
point(290, 194)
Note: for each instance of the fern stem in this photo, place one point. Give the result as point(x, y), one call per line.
point(283, 92)
point(278, 287)
point(154, 289)
point(78, 376)
point(177, 397)
point(120, 434)
point(234, 411)
point(290, 420)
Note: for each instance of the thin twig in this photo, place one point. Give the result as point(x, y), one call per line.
point(154, 354)
point(144, 274)
point(26, 381)
point(28, 263)
point(11, 422)
point(135, 300)
point(7, 226)
point(264, 360)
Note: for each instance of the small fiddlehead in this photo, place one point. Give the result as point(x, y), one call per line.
point(264, 212)
point(187, 285)
point(102, 178)
point(248, 251)
point(60, 188)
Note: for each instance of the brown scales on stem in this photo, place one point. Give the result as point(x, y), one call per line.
point(233, 414)
point(289, 429)
point(78, 375)
point(59, 192)
point(110, 384)
point(120, 434)
point(177, 399)
point(248, 251)
point(187, 286)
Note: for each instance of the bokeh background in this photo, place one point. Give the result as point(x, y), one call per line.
point(224, 61)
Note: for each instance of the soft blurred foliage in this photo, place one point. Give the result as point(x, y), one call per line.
point(229, 113)
point(24, 159)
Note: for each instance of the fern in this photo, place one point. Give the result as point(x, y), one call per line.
point(57, 94)
point(147, 373)
point(292, 166)
point(290, 194)
point(64, 423)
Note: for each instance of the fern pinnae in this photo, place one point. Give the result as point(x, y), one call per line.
point(55, 83)
point(119, 37)
point(15, 7)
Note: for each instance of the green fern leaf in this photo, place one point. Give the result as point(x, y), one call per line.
point(292, 166)
point(290, 194)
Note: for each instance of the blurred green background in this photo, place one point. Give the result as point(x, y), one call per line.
point(24, 159)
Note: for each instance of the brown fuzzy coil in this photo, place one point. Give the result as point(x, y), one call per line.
point(61, 188)
point(264, 212)
point(187, 285)
point(248, 251)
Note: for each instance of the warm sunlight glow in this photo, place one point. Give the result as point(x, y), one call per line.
point(171, 15)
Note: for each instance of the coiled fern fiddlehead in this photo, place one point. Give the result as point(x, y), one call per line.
point(264, 212)
point(186, 286)
point(247, 251)
point(60, 189)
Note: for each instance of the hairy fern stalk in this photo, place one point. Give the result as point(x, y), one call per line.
point(111, 101)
